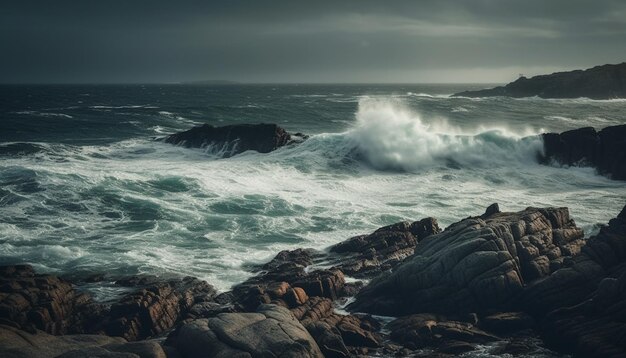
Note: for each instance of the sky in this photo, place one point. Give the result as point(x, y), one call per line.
point(353, 41)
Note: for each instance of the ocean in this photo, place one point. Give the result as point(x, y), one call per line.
point(86, 186)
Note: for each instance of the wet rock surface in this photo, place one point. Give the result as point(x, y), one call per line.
point(234, 139)
point(604, 150)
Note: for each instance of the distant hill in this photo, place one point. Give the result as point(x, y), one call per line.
point(600, 82)
point(211, 82)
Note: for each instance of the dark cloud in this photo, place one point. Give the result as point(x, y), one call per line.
point(304, 41)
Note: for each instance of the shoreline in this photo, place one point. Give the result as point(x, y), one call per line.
point(287, 287)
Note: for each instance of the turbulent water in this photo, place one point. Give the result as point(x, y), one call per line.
point(85, 188)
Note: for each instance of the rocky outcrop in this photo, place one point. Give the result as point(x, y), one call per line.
point(475, 265)
point(600, 82)
point(430, 330)
point(234, 139)
point(271, 331)
point(585, 302)
point(51, 304)
point(44, 302)
point(366, 256)
point(155, 308)
point(16, 343)
point(605, 150)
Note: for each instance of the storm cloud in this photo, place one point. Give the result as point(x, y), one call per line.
point(305, 41)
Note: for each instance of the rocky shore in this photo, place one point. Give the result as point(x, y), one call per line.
point(600, 82)
point(499, 280)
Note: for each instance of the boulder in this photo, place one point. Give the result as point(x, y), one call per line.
point(604, 150)
point(271, 331)
point(234, 139)
point(475, 265)
point(600, 82)
point(16, 343)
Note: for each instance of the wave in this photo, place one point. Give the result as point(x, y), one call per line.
point(130, 106)
point(45, 114)
point(390, 136)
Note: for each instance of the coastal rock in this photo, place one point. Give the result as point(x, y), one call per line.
point(475, 265)
point(369, 255)
point(234, 139)
point(284, 281)
point(605, 150)
point(585, 303)
point(16, 343)
point(600, 82)
point(507, 322)
point(45, 302)
point(436, 331)
point(270, 331)
point(156, 308)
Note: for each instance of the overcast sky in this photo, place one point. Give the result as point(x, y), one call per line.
point(305, 41)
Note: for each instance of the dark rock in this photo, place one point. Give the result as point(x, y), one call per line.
point(586, 301)
point(367, 256)
point(144, 349)
point(507, 322)
point(285, 282)
point(600, 82)
point(604, 150)
point(431, 330)
point(328, 339)
point(474, 265)
point(234, 139)
point(491, 209)
point(455, 347)
point(155, 309)
point(45, 302)
point(16, 343)
point(271, 331)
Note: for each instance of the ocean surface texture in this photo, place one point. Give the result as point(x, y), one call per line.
point(85, 187)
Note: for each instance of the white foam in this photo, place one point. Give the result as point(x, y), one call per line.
point(394, 137)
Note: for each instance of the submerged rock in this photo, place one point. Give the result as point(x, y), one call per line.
point(271, 331)
point(600, 82)
point(605, 150)
point(234, 139)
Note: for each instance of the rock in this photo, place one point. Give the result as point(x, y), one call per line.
point(455, 347)
point(271, 331)
point(507, 322)
point(154, 309)
point(585, 303)
point(431, 330)
point(15, 343)
point(366, 256)
point(491, 210)
point(600, 82)
point(145, 349)
point(328, 339)
point(46, 302)
point(474, 265)
point(234, 139)
point(285, 282)
point(604, 150)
